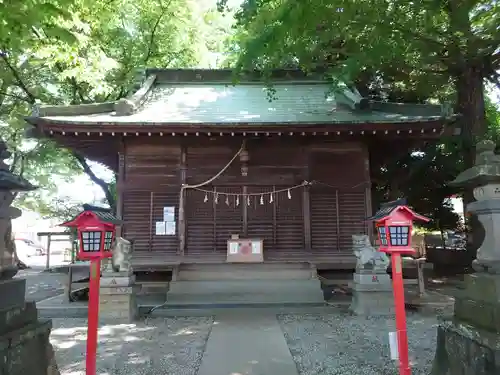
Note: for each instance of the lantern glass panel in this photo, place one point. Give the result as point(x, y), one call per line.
point(108, 241)
point(91, 241)
point(399, 235)
point(383, 236)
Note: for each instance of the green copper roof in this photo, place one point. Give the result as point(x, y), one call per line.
point(218, 101)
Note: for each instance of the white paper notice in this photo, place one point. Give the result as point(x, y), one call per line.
point(233, 247)
point(170, 228)
point(169, 213)
point(393, 345)
point(256, 247)
point(160, 228)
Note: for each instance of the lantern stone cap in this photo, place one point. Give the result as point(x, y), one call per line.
point(8, 180)
point(387, 209)
point(11, 182)
point(485, 171)
point(103, 214)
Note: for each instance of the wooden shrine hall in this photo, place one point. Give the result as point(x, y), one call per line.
point(212, 172)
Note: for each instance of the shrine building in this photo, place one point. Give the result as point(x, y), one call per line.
point(216, 173)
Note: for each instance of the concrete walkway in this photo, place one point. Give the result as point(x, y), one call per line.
point(247, 344)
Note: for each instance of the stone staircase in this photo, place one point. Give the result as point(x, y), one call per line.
point(244, 285)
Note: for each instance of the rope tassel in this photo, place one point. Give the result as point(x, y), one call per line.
point(248, 197)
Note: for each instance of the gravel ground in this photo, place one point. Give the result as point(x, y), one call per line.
point(157, 346)
point(342, 344)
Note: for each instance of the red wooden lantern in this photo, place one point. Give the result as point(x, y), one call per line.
point(394, 223)
point(96, 228)
point(96, 232)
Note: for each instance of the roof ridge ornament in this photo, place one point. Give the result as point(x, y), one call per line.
point(127, 106)
point(446, 109)
point(36, 107)
point(351, 97)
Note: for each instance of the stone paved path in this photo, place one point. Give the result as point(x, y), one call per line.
point(250, 344)
point(41, 285)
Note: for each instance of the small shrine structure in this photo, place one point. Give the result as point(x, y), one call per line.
point(203, 163)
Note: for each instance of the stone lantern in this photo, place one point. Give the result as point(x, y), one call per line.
point(10, 184)
point(469, 342)
point(24, 339)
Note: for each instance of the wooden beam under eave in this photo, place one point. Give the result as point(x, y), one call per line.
point(99, 149)
point(429, 125)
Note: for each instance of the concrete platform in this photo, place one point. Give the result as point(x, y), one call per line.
point(250, 344)
point(59, 307)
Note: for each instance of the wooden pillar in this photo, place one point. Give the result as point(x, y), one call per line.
point(214, 207)
point(182, 201)
point(120, 184)
point(306, 212)
point(368, 190)
point(151, 222)
point(337, 217)
point(47, 260)
point(275, 216)
point(244, 211)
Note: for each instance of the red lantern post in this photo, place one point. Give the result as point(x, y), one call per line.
point(394, 223)
point(96, 232)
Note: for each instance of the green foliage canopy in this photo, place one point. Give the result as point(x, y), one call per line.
point(79, 51)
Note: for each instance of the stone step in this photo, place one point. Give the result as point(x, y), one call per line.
point(206, 310)
point(243, 286)
point(245, 292)
point(254, 271)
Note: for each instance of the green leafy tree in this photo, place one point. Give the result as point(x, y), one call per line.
point(397, 50)
point(79, 51)
point(427, 44)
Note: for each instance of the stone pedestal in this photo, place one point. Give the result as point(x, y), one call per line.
point(24, 340)
point(469, 342)
point(12, 293)
point(372, 294)
point(118, 296)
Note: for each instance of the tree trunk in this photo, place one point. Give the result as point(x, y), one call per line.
point(471, 105)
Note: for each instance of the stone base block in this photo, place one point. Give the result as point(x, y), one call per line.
point(372, 294)
point(482, 286)
point(17, 317)
point(466, 350)
point(12, 293)
point(372, 303)
point(479, 303)
point(119, 303)
point(25, 349)
point(117, 279)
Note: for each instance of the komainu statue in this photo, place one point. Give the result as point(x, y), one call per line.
point(122, 254)
point(368, 257)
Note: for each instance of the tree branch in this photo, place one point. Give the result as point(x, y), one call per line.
point(98, 181)
point(149, 53)
point(13, 96)
point(17, 77)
